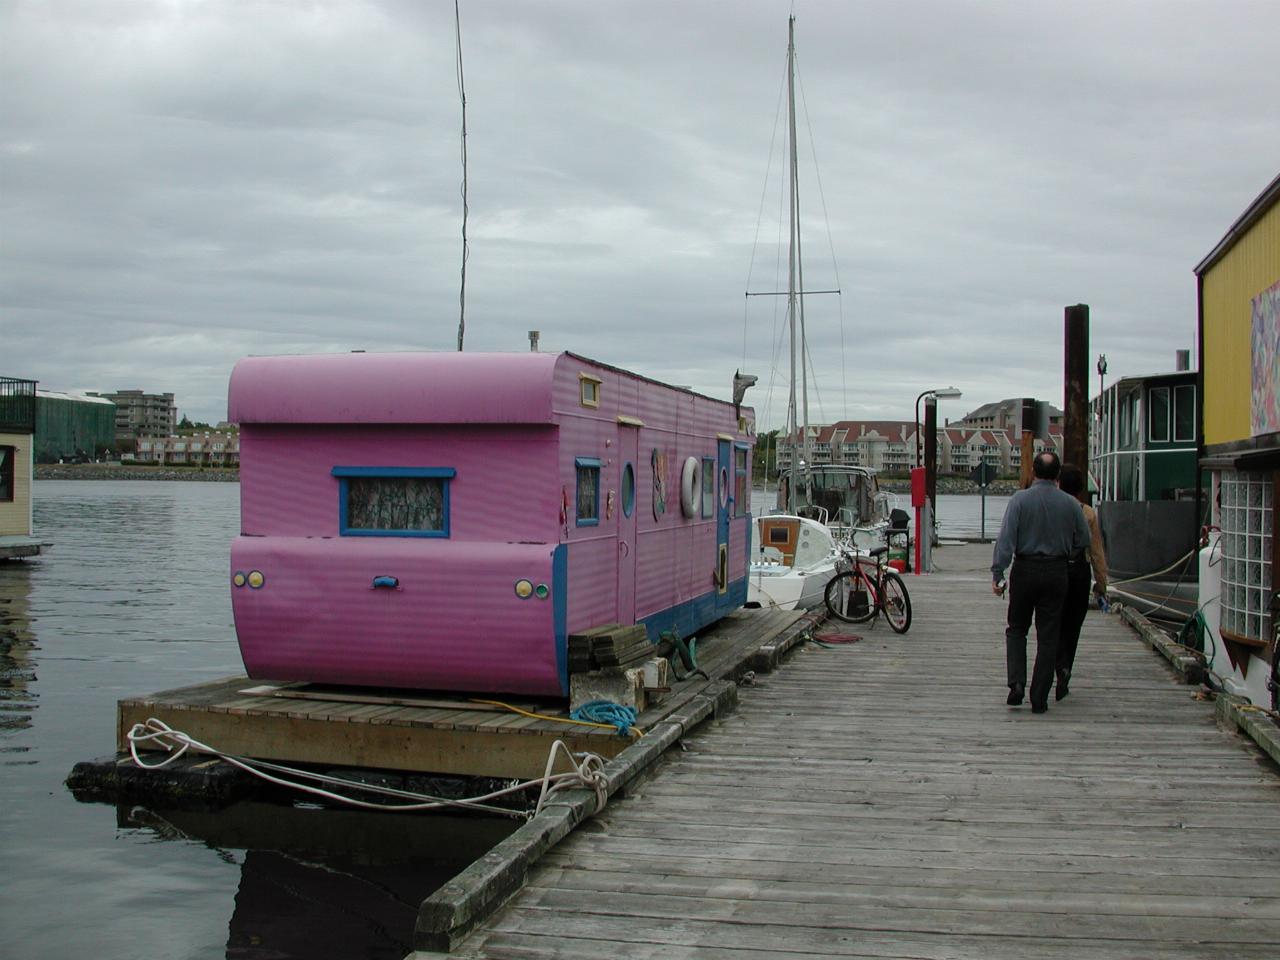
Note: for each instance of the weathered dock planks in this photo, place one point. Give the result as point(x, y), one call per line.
point(433, 733)
point(881, 800)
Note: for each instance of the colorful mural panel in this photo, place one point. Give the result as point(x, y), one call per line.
point(1265, 415)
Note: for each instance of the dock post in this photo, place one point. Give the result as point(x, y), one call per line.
point(1075, 403)
point(931, 466)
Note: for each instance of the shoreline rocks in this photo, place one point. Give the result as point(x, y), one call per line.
point(116, 471)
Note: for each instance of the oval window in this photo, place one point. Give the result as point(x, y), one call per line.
point(724, 486)
point(628, 489)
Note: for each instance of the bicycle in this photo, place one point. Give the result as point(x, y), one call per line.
point(864, 587)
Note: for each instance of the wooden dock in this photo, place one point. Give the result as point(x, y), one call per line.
point(436, 733)
point(881, 800)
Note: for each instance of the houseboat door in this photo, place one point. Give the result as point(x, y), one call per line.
point(724, 510)
point(628, 451)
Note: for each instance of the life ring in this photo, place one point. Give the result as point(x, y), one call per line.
point(691, 486)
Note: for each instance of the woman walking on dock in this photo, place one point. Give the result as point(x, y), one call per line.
point(1076, 605)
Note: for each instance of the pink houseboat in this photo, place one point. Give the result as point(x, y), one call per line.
point(445, 520)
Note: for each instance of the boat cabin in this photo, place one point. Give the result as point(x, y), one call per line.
point(17, 429)
point(840, 496)
point(446, 520)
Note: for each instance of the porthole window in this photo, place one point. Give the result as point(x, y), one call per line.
point(628, 489)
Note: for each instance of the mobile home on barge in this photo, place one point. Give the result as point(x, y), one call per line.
point(445, 520)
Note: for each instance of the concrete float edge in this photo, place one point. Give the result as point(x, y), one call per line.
point(1233, 711)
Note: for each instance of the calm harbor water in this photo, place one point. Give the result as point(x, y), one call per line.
point(132, 599)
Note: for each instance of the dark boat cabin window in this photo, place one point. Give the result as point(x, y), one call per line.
point(393, 501)
point(1159, 419)
point(7, 457)
point(588, 500)
point(1184, 413)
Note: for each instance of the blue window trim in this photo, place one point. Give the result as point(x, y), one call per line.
point(343, 474)
point(709, 473)
point(628, 508)
point(591, 463)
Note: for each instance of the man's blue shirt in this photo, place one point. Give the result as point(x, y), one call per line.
point(1040, 521)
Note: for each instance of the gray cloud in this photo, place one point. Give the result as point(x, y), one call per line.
point(184, 183)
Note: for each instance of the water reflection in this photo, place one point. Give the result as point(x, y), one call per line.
point(17, 655)
point(314, 882)
point(133, 598)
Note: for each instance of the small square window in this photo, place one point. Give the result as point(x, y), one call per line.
point(588, 498)
point(590, 390)
point(393, 501)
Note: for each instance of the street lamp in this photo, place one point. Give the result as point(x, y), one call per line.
point(944, 392)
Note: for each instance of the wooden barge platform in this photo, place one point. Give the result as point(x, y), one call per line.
point(430, 733)
point(881, 800)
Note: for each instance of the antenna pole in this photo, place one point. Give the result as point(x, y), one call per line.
point(462, 95)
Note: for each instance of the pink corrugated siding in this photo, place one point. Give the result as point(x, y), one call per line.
point(506, 487)
point(455, 623)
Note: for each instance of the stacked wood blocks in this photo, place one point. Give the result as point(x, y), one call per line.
point(607, 663)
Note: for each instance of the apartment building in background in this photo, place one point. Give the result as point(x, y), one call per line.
point(212, 448)
point(141, 415)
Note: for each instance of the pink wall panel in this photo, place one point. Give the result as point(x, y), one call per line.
point(505, 487)
point(454, 621)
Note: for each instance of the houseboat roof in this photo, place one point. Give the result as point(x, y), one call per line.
point(410, 387)
point(1255, 211)
point(393, 388)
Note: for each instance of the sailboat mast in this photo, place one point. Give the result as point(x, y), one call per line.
point(792, 267)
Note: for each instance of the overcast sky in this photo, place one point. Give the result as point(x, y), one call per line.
point(187, 183)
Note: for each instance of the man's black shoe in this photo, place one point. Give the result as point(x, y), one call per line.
point(1015, 695)
point(1040, 708)
point(1063, 688)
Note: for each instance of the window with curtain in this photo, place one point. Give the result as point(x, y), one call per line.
point(393, 501)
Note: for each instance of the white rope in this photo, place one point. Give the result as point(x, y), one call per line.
point(1147, 576)
point(587, 771)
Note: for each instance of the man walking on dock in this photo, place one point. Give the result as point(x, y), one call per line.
point(1042, 528)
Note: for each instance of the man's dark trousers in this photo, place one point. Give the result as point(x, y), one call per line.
point(1036, 586)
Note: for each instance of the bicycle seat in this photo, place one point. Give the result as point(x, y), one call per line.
point(876, 551)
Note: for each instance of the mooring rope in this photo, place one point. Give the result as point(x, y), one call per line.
point(587, 771)
point(605, 712)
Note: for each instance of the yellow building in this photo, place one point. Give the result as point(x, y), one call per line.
point(17, 429)
point(1239, 332)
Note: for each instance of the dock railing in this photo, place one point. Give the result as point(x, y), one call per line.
point(17, 405)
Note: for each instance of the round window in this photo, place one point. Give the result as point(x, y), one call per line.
point(628, 489)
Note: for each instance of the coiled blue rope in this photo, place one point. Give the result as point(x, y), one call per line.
point(603, 711)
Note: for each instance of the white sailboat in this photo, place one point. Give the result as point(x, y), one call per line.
point(795, 550)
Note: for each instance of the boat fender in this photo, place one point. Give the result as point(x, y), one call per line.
point(691, 486)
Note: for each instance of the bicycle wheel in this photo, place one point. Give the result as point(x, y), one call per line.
point(895, 603)
point(847, 598)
